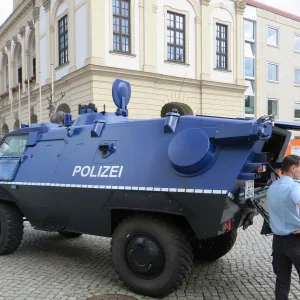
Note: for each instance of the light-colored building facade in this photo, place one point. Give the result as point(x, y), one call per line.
point(272, 62)
point(186, 54)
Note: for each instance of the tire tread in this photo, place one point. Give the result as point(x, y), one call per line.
point(15, 228)
point(181, 243)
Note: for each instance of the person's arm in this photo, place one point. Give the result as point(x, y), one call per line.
point(295, 194)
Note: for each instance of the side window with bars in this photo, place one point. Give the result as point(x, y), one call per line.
point(63, 40)
point(176, 37)
point(121, 26)
point(222, 47)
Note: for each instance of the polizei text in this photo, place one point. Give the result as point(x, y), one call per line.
point(99, 171)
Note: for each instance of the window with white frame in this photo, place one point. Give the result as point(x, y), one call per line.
point(273, 107)
point(297, 43)
point(176, 37)
point(63, 40)
point(272, 36)
point(121, 26)
point(222, 46)
point(249, 98)
point(249, 30)
point(249, 59)
point(297, 110)
point(297, 77)
point(272, 72)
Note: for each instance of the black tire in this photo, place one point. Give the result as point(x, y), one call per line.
point(11, 228)
point(70, 235)
point(214, 248)
point(175, 249)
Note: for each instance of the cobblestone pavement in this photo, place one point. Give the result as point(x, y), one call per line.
point(47, 266)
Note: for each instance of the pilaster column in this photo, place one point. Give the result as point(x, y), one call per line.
point(1, 82)
point(96, 30)
point(198, 46)
point(150, 36)
point(10, 64)
point(2, 73)
point(239, 38)
point(142, 34)
point(71, 33)
point(46, 5)
point(36, 18)
point(205, 40)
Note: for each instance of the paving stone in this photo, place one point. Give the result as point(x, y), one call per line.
point(47, 266)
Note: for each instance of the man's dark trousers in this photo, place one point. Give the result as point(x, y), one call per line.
point(286, 253)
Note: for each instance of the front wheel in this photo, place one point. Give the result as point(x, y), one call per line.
point(151, 256)
point(11, 228)
point(214, 248)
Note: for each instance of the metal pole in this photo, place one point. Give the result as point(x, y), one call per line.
point(52, 83)
point(11, 110)
point(28, 101)
point(41, 115)
point(19, 106)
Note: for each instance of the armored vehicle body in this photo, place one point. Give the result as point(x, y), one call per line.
point(166, 190)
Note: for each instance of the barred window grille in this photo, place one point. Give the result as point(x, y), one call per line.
point(121, 26)
point(176, 37)
point(63, 40)
point(222, 47)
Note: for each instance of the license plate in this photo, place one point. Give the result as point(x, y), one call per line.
point(249, 188)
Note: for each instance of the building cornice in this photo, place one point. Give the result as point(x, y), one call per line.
point(223, 86)
point(14, 17)
point(94, 70)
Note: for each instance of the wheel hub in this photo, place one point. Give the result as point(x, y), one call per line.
point(145, 257)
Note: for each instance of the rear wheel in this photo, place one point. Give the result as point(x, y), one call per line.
point(151, 255)
point(11, 228)
point(214, 248)
point(70, 235)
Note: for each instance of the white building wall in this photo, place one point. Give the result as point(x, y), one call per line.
point(176, 69)
point(81, 36)
point(52, 5)
point(123, 61)
point(250, 13)
point(61, 8)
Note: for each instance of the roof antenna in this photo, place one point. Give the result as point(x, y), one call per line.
point(181, 86)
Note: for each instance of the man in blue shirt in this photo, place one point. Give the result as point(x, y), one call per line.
point(283, 201)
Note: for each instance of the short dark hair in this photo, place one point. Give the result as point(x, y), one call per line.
point(288, 161)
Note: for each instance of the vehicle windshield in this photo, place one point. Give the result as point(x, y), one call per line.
point(13, 145)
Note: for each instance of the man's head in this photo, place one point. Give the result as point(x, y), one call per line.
point(291, 166)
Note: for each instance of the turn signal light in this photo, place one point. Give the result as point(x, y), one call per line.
point(262, 169)
point(226, 226)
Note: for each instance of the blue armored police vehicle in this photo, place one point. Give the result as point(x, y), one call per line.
point(166, 190)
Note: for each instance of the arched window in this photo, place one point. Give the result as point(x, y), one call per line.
point(18, 64)
point(32, 54)
point(64, 107)
point(5, 129)
point(17, 124)
point(5, 73)
point(183, 109)
point(33, 119)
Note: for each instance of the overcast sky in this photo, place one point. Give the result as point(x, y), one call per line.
point(292, 6)
point(6, 7)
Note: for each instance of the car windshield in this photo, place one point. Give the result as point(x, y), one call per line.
point(13, 145)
